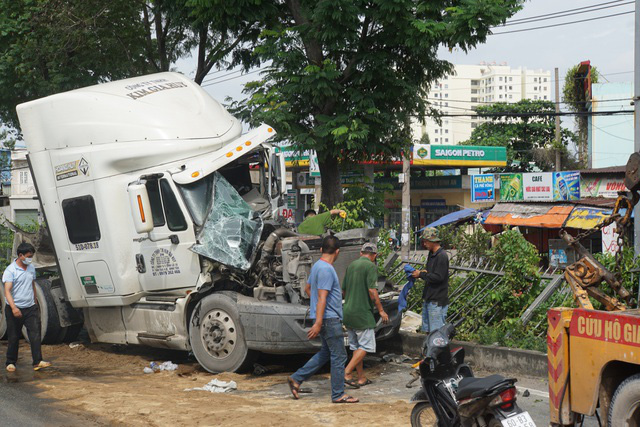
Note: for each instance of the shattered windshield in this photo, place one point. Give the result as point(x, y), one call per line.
point(230, 228)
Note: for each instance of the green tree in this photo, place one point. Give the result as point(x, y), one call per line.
point(346, 77)
point(424, 139)
point(526, 132)
point(575, 98)
point(48, 46)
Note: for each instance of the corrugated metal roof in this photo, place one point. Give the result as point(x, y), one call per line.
point(611, 169)
point(530, 214)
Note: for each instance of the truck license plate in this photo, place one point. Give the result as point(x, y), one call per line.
point(520, 420)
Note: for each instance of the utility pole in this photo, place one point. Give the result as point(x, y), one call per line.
point(636, 135)
point(558, 141)
point(406, 205)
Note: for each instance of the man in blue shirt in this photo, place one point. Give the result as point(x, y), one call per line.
point(326, 309)
point(22, 307)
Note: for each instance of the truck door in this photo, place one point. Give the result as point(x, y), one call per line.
point(164, 259)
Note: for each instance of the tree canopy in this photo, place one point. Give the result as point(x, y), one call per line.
point(345, 77)
point(50, 46)
point(526, 132)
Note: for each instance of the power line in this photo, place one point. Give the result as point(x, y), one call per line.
point(233, 78)
point(609, 133)
point(546, 114)
point(569, 12)
point(565, 23)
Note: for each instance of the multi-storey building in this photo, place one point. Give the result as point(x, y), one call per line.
point(473, 85)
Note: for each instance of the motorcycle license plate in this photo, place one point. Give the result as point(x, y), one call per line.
point(520, 420)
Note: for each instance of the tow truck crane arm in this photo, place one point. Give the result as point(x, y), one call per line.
point(585, 275)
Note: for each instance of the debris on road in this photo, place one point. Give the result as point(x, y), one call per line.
point(76, 344)
point(164, 366)
point(216, 386)
point(395, 358)
point(411, 321)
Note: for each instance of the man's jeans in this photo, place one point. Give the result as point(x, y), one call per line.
point(433, 316)
point(332, 350)
point(31, 320)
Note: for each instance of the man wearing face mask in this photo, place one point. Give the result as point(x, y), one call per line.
point(22, 307)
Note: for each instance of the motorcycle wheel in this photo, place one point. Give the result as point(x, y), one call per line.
point(423, 415)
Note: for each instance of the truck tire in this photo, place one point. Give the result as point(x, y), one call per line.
point(625, 404)
point(423, 415)
point(217, 336)
point(50, 330)
point(3, 319)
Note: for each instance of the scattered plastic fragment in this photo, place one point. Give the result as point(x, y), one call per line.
point(216, 386)
point(157, 367)
point(396, 358)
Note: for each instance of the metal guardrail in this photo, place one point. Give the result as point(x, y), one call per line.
point(479, 279)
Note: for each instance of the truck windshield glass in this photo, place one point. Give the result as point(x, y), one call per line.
point(231, 230)
point(197, 196)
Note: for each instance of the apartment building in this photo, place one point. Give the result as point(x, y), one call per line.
point(473, 85)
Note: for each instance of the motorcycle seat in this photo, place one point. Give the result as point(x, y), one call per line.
point(467, 387)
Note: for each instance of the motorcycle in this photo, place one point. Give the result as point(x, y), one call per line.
point(451, 396)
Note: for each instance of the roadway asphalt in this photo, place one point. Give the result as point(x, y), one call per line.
point(21, 406)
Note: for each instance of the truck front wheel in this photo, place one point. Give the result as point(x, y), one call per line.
point(217, 337)
point(625, 405)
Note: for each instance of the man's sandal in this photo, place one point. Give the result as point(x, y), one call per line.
point(295, 389)
point(346, 399)
point(352, 383)
point(367, 382)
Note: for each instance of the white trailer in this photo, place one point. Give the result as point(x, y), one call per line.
point(162, 215)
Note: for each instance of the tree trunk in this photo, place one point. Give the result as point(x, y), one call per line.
point(330, 177)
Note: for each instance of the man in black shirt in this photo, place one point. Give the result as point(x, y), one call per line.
point(436, 282)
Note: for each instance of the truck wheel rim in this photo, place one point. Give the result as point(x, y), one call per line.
point(632, 415)
point(218, 333)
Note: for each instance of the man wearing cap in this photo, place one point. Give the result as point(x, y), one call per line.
point(360, 295)
point(436, 282)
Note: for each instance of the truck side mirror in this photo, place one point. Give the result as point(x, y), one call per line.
point(140, 208)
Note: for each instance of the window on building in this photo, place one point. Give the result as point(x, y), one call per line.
point(474, 99)
point(24, 177)
point(510, 79)
point(545, 97)
point(535, 88)
point(446, 140)
point(475, 82)
point(500, 96)
point(436, 130)
point(500, 78)
point(446, 86)
point(500, 88)
point(545, 89)
point(474, 91)
point(446, 95)
point(535, 96)
point(474, 125)
point(446, 104)
point(446, 131)
point(545, 79)
point(510, 96)
point(81, 219)
point(436, 139)
point(535, 79)
point(510, 87)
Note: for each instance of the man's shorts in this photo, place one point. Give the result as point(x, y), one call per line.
point(362, 339)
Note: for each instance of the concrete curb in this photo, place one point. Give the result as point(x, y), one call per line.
point(483, 357)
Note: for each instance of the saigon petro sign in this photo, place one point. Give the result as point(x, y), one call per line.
point(458, 155)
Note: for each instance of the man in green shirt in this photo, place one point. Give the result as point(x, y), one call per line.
point(360, 295)
point(316, 224)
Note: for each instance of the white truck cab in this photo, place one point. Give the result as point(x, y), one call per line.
point(162, 214)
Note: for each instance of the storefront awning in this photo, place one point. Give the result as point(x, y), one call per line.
point(586, 217)
point(540, 215)
point(454, 217)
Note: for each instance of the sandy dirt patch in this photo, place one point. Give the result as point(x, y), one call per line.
point(106, 384)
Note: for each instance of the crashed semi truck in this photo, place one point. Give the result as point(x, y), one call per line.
point(163, 222)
